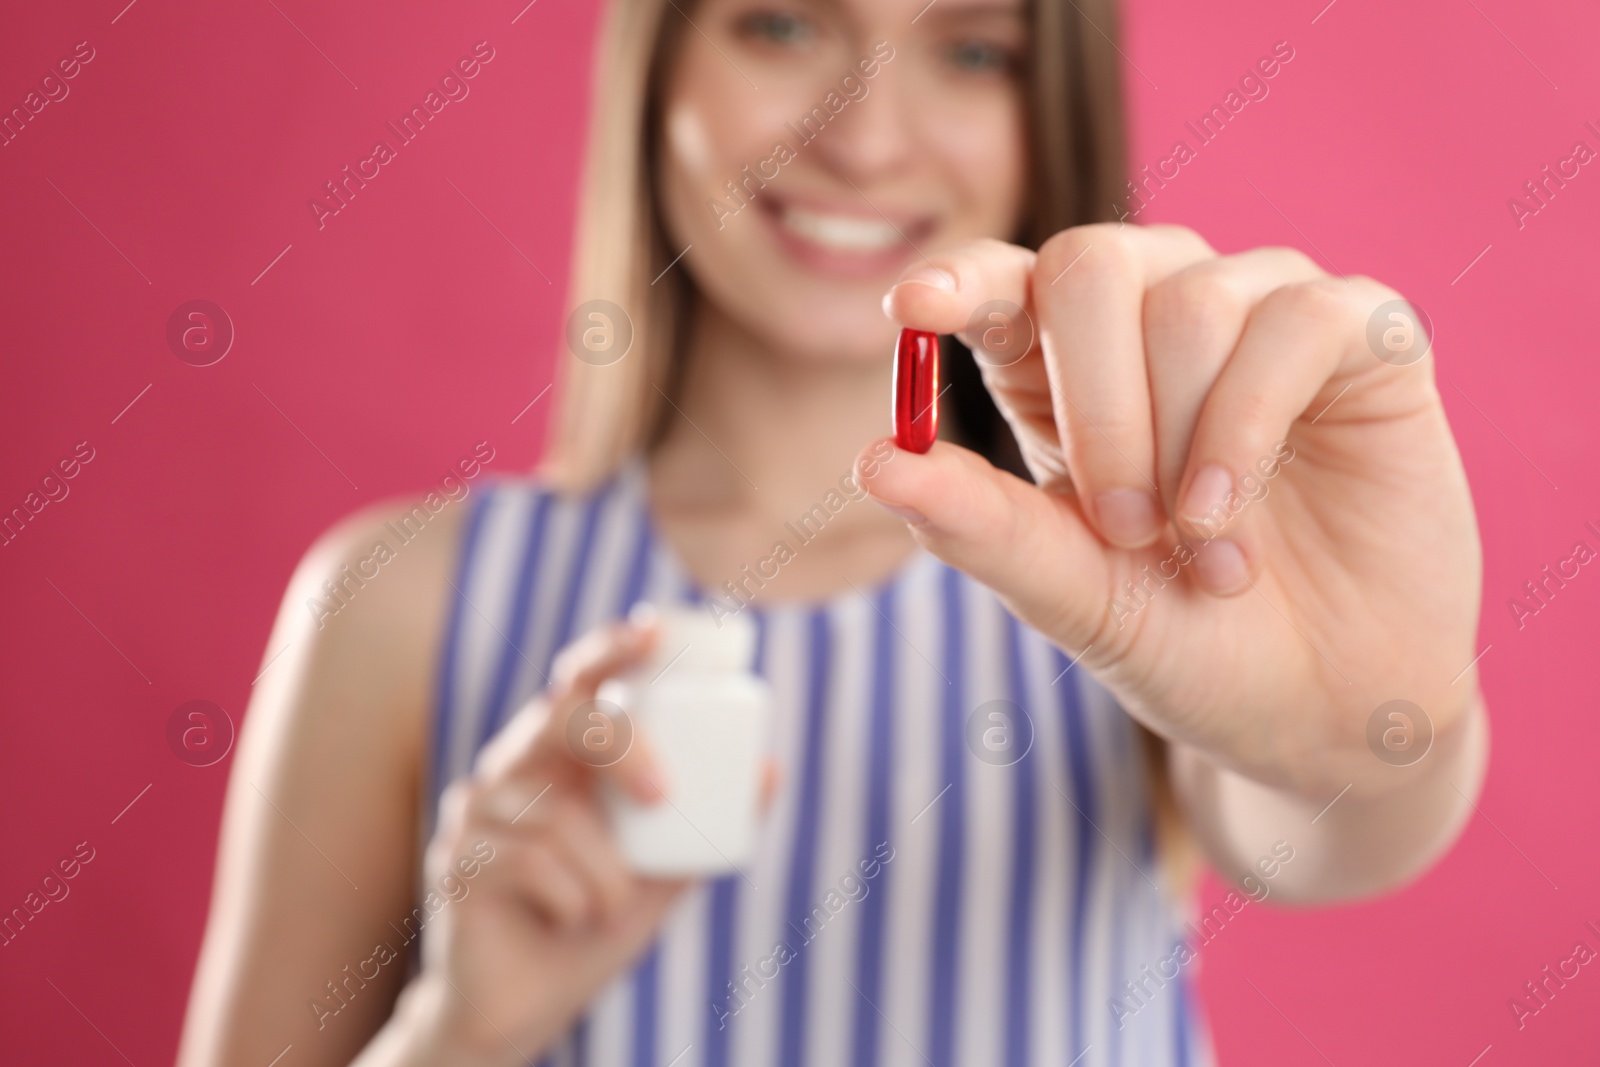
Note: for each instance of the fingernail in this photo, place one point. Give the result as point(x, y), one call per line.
point(930, 275)
point(911, 515)
point(1221, 567)
point(642, 616)
point(1128, 517)
point(1207, 494)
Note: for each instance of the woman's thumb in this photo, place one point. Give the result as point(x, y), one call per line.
point(1029, 546)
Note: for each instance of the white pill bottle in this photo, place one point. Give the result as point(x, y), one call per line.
point(706, 716)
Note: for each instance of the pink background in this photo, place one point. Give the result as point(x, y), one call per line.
point(408, 328)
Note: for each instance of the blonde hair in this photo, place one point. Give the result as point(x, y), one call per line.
point(609, 412)
point(605, 411)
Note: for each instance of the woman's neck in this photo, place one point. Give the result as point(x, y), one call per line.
point(758, 438)
point(765, 426)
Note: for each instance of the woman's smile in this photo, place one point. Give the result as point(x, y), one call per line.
point(841, 241)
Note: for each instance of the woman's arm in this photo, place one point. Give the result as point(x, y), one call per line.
point(1374, 835)
point(319, 834)
point(529, 908)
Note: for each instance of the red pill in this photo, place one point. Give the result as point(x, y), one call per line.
point(916, 390)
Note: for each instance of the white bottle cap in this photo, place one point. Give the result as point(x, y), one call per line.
point(692, 639)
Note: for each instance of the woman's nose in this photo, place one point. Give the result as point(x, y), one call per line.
point(871, 136)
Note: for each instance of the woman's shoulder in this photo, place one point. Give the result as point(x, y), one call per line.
point(351, 665)
point(381, 576)
point(366, 603)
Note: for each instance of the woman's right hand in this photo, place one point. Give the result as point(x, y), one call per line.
point(553, 913)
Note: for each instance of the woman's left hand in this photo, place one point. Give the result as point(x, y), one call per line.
point(1253, 528)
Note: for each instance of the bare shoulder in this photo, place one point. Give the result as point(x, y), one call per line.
point(362, 618)
point(377, 583)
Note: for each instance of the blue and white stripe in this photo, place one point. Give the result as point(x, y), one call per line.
point(1018, 900)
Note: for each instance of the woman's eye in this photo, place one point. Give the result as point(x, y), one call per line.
point(980, 57)
point(774, 27)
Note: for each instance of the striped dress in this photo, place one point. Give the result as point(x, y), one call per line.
point(921, 896)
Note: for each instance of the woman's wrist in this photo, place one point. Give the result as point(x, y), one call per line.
point(1361, 837)
point(1370, 750)
point(423, 1031)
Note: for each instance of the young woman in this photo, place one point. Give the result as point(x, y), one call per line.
point(1238, 536)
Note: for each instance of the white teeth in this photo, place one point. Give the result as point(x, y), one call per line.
point(842, 232)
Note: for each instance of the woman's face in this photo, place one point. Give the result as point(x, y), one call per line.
point(815, 149)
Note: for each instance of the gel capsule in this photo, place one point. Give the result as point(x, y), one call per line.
point(916, 390)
